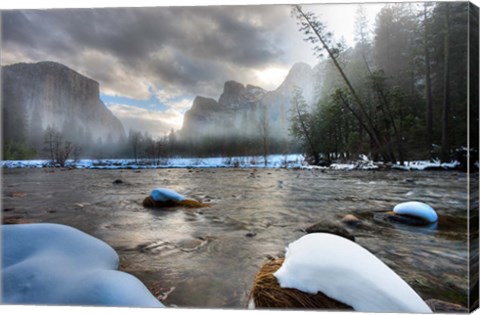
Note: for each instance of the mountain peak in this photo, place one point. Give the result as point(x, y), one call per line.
point(238, 109)
point(297, 73)
point(232, 95)
point(300, 66)
point(233, 87)
point(46, 66)
point(203, 104)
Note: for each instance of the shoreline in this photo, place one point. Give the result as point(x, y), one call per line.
point(290, 161)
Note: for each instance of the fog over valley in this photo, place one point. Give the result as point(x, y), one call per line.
point(152, 61)
point(242, 80)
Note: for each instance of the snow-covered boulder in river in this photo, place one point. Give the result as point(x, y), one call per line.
point(55, 264)
point(164, 197)
point(165, 194)
point(416, 209)
point(348, 273)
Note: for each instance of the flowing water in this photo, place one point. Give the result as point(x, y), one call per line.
point(209, 257)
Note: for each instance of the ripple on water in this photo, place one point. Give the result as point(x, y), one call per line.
point(207, 256)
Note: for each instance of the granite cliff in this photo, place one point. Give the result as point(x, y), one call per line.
point(234, 113)
point(51, 94)
point(239, 109)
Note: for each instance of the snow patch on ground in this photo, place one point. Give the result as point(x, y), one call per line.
point(55, 264)
point(289, 161)
point(423, 165)
point(346, 272)
point(273, 161)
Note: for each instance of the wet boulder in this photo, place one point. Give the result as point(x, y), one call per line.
point(402, 219)
point(267, 293)
point(164, 198)
point(331, 228)
point(148, 202)
point(325, 271)
point(15, 219)
point(351, 220)
point(411, 213)
point(440, 306)
point(165, 194)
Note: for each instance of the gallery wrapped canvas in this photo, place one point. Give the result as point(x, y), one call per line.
point(316, 156)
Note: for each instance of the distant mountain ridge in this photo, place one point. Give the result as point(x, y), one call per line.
point(238, 110)
point(51, 94)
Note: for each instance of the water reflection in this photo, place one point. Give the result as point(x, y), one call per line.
point(210, 255)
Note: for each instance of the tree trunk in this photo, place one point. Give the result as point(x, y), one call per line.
point(446, 87)
point(371, 133)
point(357, 99)
point(307, 135)
point(390, 121)
point(428, 85)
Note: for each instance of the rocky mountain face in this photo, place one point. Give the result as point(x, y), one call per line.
point(236, 109)
point(241, 110)
point(51, 94)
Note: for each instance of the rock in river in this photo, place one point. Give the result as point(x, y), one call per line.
point(330, 227)
point(447, 307)
point(351, 220)
point(164, 197)
point(418, 210)
point(346, 274)
point(412, 213)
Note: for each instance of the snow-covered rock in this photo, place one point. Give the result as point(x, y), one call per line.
point(348, 273)
point(165, 194)
point(417, 209)
point(425, 165)
point(59, 265)
point(341, 166)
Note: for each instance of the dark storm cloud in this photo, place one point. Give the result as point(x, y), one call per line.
point(191, 48)
point(232, 36)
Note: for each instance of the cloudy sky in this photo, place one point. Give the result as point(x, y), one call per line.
point(152, 62)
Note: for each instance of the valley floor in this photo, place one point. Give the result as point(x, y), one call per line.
point(273, 161)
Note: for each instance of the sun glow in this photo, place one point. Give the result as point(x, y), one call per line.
point(270, 78)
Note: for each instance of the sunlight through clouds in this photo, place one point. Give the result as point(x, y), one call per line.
point(181, 105)
point(157, 123)
point(270, 78)
point(156, 63)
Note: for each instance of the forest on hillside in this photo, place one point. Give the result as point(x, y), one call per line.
point(401, 93)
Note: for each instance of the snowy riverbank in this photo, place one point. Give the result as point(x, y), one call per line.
point(273, 161)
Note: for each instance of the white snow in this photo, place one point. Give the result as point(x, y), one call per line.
point(363, 163)
point(340, 166)
point(55, 264)
point(423, 165)
point(289, 161)
point(165, 194)
point(417, 209)
point(346, 272)
point(274, 161)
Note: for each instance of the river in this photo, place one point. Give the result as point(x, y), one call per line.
point(208, 257)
